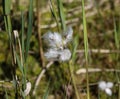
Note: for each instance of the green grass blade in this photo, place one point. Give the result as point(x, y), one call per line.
point(6, 6)
point(75, 45)
point(85, 47)
point(9, 26)
point(22, 36)
point(23, 50)
point(61, 14)
point(71, 68)
point(6, 12)
point(85, 32)
point(47, 91)
point(5, 20)
point(53, 11)
point(19, 64)
point(29, 32)
point(116, 36)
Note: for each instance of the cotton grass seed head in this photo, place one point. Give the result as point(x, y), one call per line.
point(106, 86)
point(102, 85)
point(65, 55)
point(56, 44)
point(52, 54)
point(53, 40)
point(58, 55)
point(109, 84)
point(108, 91)
point(68, 35)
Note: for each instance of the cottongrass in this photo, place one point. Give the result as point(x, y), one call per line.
point(106, 86)
point(57, 45)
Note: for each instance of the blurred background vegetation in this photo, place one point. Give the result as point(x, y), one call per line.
point(103, 26)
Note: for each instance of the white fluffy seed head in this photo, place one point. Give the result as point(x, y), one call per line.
point(51, 54)
point(106, 86)
point(102, 85)
point(65, 55)
point(109, 84)
point(28, 88)
point(108, 91)
point(53, 40)
point(58, 55)
point(68, 35)
point(56, 44)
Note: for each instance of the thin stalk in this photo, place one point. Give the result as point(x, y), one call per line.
point(22, 64)
point(61, 14)
point(73, 80)
point(29, 32)
point(117, 55)
point(85, 47)
point(22, 52)
point(22, 36)
point(53, 11)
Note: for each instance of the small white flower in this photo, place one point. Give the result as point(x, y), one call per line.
point(106, 86)
point(28, 88)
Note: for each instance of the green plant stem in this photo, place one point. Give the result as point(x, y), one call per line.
point(22, 36)
point(53, 11)
point(116, 37)
point(29, 32)
point(73, 80)
point(61, 14)
point(86, 47)
point(22, 64)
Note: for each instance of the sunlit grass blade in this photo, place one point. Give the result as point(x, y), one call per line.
point(6, 12)
point(61, 14)
point(75, 45)
point(85, 47)
point(6, 6)
point(53, 11)
point(29, 32)
point(71, 64)
point(85, 32)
